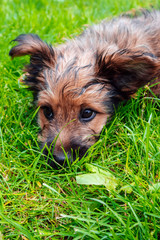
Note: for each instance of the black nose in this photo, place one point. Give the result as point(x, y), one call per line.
point(59, 158)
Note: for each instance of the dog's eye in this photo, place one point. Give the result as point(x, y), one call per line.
point(48, 112)
point(87, 115)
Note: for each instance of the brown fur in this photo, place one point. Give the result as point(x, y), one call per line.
point(103, 66)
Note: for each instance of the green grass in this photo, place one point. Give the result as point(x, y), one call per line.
point(37, 202)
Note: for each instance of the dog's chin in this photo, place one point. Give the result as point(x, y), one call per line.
point(62, 159)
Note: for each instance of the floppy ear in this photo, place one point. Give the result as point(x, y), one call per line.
point(41, 56)
point(126, 71)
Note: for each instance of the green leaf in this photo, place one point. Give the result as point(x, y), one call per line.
point(98, 177)
point(155, 187)
point(95, 169)
point(90, 179)
point(127, 188)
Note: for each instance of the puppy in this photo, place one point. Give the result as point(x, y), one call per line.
point(79, 84)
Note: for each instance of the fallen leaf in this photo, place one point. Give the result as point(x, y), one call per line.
point(155, 187)
point(97, 177)
point(127, 188)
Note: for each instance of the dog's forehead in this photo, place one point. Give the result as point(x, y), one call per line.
point(74, 97)
point(68, 73)
point(71, 82)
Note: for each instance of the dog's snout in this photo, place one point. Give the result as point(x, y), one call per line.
point(62, 154)
point(59, 158)
point(62, 158)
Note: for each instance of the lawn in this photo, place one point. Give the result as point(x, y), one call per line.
point(38, 202)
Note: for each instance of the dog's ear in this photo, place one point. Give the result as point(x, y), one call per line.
point(41, 54)
point(126, 71)
point(31, 44)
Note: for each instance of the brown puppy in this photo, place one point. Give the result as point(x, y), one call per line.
point(78, 84)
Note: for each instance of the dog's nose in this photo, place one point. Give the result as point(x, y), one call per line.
point(71, 154)
point(62, 159)
point(59, 158)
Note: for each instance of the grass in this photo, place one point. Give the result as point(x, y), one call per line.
point(37, 202)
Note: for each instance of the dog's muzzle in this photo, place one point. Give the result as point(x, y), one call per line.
point(64, 157)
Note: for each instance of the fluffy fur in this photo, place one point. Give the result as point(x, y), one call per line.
point(89, 76)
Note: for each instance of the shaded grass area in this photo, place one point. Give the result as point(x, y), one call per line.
point(37, 202)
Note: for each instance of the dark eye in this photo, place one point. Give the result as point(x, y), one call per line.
point(48, 112)
point(87, 115)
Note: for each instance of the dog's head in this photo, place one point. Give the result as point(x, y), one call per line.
point(77, 89)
